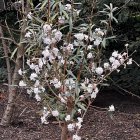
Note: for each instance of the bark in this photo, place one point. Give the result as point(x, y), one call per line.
point(7, 116)
point(64, 132)
point(8, 113)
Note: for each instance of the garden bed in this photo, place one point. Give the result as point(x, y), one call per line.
point(98, 124)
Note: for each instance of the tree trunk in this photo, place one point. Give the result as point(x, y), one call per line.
point(8, 113)
point(64, 131)
point(6, 119)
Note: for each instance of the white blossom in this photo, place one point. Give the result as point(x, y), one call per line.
point(47, 28)
point(62, 61)
point(28, 62)
point(55, 113)
point(115, 64)
point(86, 37)
point(58, 35)
point(32, 66)
point(112, 59)
point(129, 61)
point(37, 83)
point(33, 76)
point(106, 65)
point(120, 56)
point(55, 51)
point(56, 83)
point(126, 45)
point(111, 108)
point(37, 97)
point(40, 63)
point(43, 120)
point(99, 31)
point(78, 125)
point(79, 110)
point(46, 52)
point(89, 47)
point(76, 43)
point(94, 93)
point(22, 83)
point(124, 54)
point(37, 69)
point(53, 40)
point(97, 42)
point(69, 47)
point(76, 137)
point(51, 57)
point(42, 88)
point(20, 72)
point(68, 7)
point(99, 70)
point(47, 40)
point(115, 54)
point(62, 99)
point(44, 116)
point(81, 97)
point(89, 88)
point(80, 120)
point(79, 36)
point(28, 34)
point(61, 20)
point(71, 62)
point(29, 91)
point(89, 55)
point(29, 16)
point(70, 83)
point(122, 60)
point(86, 80)
point(71, 127)
point(67, 118)
point(36, 90)
point(77, 12)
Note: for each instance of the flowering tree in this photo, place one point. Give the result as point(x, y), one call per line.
point(65, 67)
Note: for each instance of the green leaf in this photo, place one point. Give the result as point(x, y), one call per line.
point(104, 42)
point(71, 24)
point(65, 13)
point(54, 6)
point(82, 106)
point(71, 74)
point(53, 17)
point(62, 116)
point(61, 8)
point(43, 5)
point(13, 53)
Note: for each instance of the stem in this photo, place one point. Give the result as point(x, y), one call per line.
point(48, 11)
point(64, 131)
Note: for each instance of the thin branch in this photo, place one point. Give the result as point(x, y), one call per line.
point(6, 57)
point(125, 90)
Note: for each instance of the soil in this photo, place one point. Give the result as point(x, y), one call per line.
point(123, 124)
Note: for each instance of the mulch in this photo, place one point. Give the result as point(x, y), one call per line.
point(99, 124)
